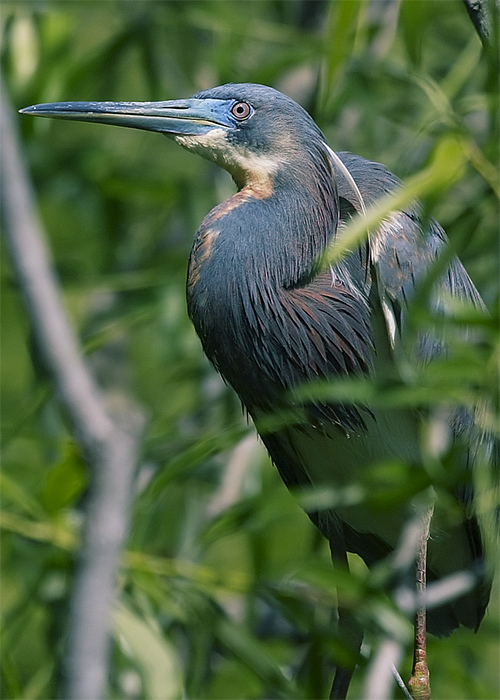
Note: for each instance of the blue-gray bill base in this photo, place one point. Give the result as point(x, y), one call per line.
point(271, 317)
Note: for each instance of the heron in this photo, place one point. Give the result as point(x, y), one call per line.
point(272, 316)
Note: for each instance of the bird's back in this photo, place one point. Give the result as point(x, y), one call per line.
point(401, 255)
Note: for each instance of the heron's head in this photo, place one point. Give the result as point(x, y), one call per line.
point(253, 131)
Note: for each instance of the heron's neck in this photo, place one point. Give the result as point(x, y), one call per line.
point(248, 251)
point(270, 232)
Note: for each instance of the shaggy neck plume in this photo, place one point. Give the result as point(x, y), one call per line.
point(248, 253)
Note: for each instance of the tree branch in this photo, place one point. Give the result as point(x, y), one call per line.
point(110, 443)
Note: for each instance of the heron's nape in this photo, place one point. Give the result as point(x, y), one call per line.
point(270, 317)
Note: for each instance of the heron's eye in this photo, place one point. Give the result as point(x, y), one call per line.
point(241, 110)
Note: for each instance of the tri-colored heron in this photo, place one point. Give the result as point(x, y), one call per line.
point(270, 316)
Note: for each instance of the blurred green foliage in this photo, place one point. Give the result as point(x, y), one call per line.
point(226, 590)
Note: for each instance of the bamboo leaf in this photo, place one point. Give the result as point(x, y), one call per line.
point(153, 653)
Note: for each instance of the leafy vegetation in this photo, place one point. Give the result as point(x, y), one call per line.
point(226, 590)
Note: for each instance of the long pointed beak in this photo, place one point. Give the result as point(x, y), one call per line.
point(192, 116)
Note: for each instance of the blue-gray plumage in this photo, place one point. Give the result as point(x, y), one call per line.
point(270, 317)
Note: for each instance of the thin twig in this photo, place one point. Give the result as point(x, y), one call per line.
point(400, 682)
point(419, 682)
point(412, 544)
point(110, 444)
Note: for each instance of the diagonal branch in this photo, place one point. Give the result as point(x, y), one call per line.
point(110, 443)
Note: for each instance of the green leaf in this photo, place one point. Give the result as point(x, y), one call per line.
point(238, 642)
point(12, 490)
point(340, 37)
point(446, 167)
point(143, 641)
point(64, 482)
